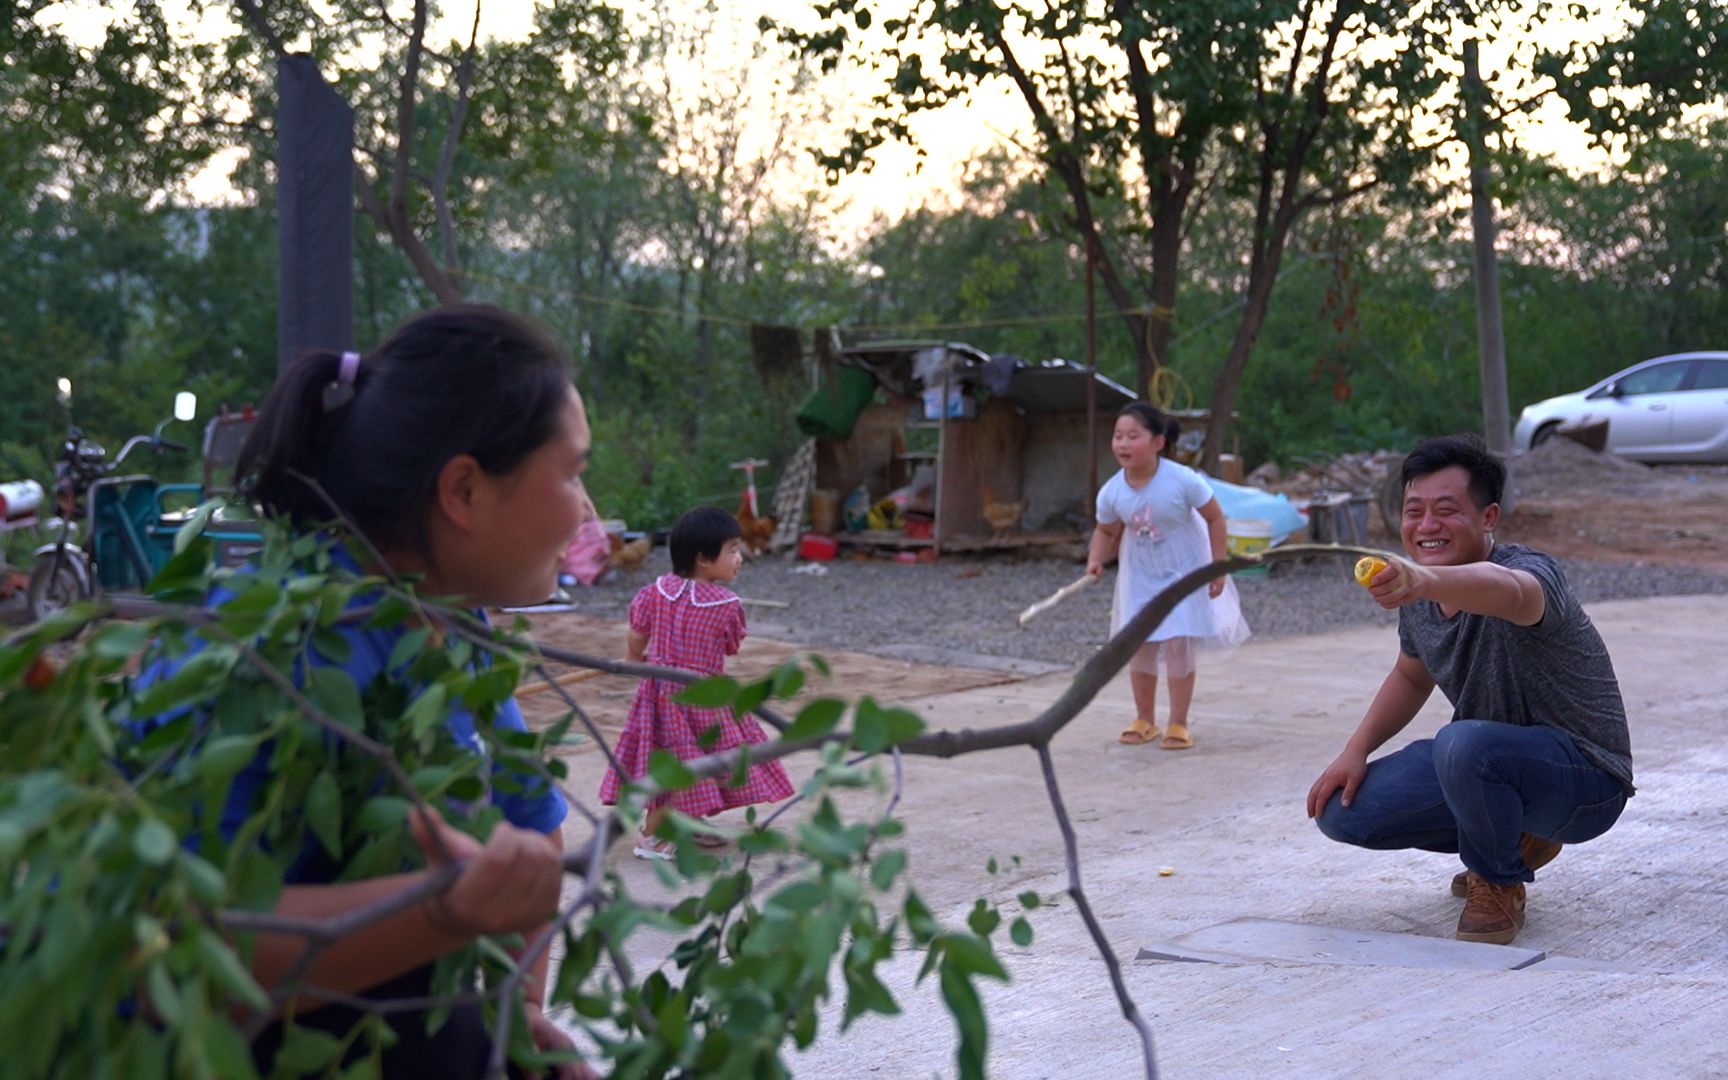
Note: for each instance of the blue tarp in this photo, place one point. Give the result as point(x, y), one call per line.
point(1239, 501)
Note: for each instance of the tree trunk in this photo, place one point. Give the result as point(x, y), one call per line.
point(1490, 335)
point(444, 285)
point(1268, 259)
point(1170, 205)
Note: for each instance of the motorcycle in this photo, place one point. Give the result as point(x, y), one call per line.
point(117, 531)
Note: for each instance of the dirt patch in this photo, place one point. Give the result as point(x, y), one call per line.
point(607, 698)
point(1577, 504)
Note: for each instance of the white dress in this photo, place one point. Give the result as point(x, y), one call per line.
point(1163, 538)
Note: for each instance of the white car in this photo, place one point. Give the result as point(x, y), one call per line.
point(1672, 408)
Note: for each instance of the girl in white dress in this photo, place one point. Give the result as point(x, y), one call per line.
point(1161, 519)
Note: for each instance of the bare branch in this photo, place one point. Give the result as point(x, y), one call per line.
point(408, 92)
point(255, 18)
point(524, 964)
point(440, 181)
point(336, 927)
point(1072, 848)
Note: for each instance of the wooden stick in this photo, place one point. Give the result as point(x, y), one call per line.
point(764, 603)
point(566, 679)
point(1055, 598)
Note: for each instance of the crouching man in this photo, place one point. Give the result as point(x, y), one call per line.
point(1537, 754)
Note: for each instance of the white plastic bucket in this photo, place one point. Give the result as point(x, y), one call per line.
point(1248, 536)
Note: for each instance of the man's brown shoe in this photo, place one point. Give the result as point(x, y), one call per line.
point(1537, 853)
point(1493, 914)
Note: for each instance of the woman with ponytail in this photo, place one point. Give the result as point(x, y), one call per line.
point(455, 450)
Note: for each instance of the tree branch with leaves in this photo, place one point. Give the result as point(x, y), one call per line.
point(111, 838)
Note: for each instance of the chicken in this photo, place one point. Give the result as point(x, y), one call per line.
point(756, 531)
point(1004, 517)
point(629, 555)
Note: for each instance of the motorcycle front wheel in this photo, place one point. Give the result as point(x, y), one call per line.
point(55, 584)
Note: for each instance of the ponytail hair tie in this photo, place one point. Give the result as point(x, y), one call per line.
point(341, 392)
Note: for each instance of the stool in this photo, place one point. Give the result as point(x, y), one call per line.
point(1332, 518)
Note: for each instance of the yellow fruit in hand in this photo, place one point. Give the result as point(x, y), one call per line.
point(1367, 567)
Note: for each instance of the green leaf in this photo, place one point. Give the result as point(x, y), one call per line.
point(255, 598)
point(919, 920)
point(206, 882)
point(750, 697)
point(408, 646)
point(817, 718)
point(225, 756)
point(865, 993)
point(1029, 900)
point(801, 896)
point(667, 771)
point(972, 955)
point(428, 712)
point(875, 728)
point(886, 868)
point(674, 1022)
point(492, 685)
point(96, 725)
point(187, 572)
point(391, 611)
point(11, 841)
point(324, 812)
point(225, 1049)
point(726, 891)
point(200, 677)
point(968, 1012)
point(709, 693)
point(382, 812)
point(983, 919)
point(788, 680)
point(195, 524)
point(118, 641)
point(15, 659)
point(466, 788)
point(334, 689)
point(307, 1051)
point(164, 995)
point(1020, 932)
point(333, 645)
point(153, 842)
point(219, 960)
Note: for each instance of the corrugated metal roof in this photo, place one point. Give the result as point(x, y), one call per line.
point(1063, 389)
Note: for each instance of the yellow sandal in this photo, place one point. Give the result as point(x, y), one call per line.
point(1177, 738)
point(1139, 733)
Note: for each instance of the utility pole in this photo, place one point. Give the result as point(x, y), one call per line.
point(1490, 332)
point(1091, 383)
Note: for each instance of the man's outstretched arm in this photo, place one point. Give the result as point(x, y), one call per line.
point(1481, 588)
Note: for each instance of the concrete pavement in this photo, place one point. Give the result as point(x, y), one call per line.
point(1645, 902)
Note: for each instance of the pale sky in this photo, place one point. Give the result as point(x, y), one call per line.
point(950, 137)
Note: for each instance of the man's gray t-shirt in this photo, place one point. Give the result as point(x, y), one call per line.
point(1556, 673)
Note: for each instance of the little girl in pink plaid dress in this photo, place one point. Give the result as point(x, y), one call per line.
point(686, 620)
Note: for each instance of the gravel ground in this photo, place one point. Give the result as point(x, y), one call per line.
point(970, 604)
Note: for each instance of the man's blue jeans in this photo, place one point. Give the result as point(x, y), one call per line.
point(1472, 789)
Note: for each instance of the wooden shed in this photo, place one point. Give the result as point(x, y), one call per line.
point(983, 429)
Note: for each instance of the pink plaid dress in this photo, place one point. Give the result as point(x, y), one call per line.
point(692, 625)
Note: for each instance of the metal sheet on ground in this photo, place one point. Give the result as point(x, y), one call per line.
point(1275, 941)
